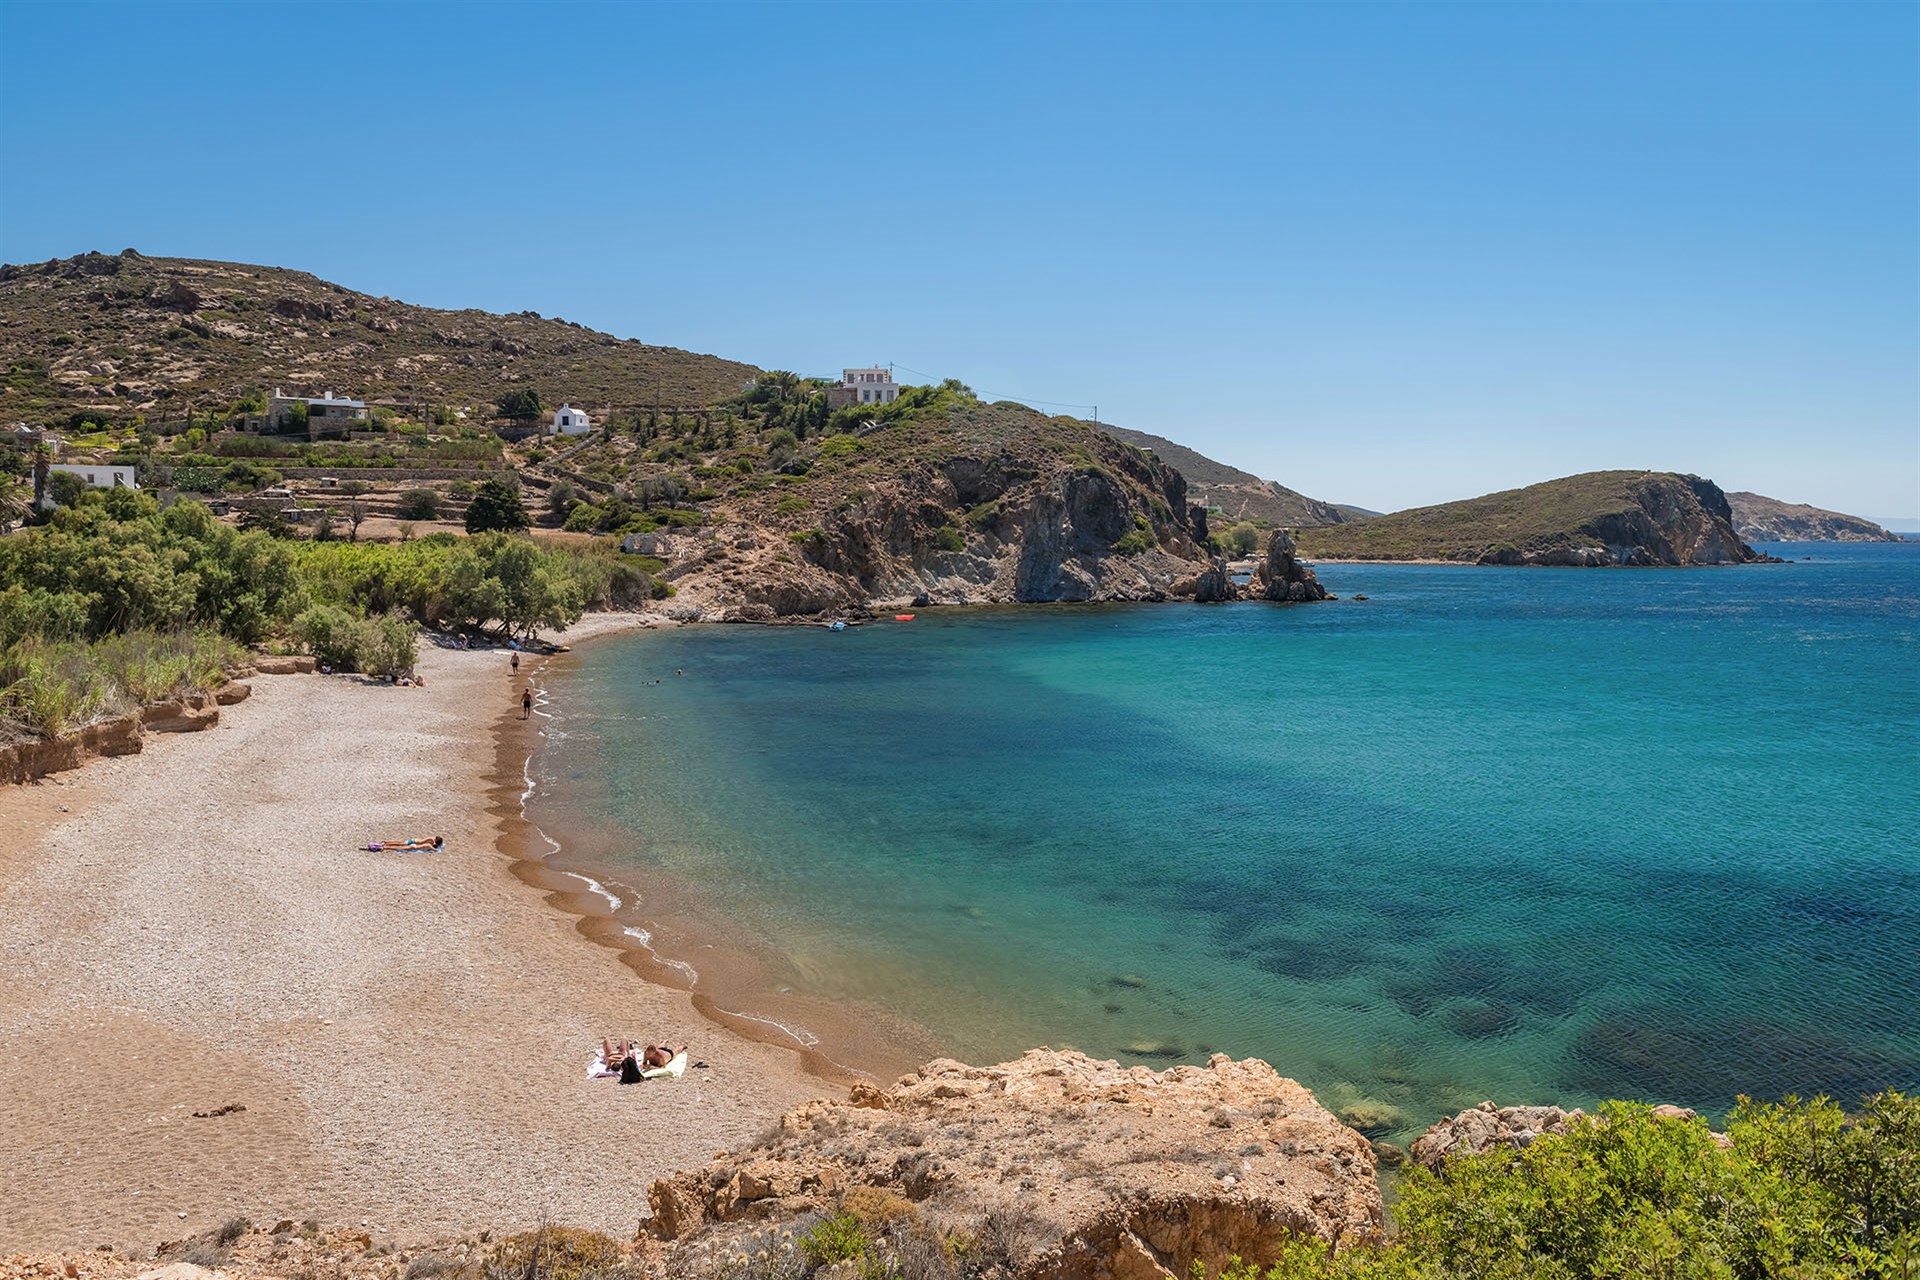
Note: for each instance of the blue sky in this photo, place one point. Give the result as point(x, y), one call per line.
point(1384, 254)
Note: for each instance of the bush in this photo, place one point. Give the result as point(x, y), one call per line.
point(1801, 1190)
point(584, 518)
point(1139, 538)
point(382, 645)
point(948, 538)
point(839, 1238)
point(418, 504)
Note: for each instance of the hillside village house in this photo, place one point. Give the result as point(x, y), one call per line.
point(863, 386)
point(569, 421)
point(100, 477)
point(324, 413)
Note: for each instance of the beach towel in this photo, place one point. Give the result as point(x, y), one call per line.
point(675, 1068)
point(599, 1070)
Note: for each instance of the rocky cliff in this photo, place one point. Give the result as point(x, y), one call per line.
point(965, 504)
point(1091, 1170)
point(1761, 519)
point(1599, 519)
point(1282, 577)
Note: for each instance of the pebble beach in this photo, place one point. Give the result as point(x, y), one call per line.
point(216, 1002)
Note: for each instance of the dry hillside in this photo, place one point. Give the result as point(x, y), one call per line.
point(117, 336)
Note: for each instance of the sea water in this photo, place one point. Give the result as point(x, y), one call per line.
point(1522, 834)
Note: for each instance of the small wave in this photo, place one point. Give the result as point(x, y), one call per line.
point(801, 1036)
point(645, 939)
point(613, 899)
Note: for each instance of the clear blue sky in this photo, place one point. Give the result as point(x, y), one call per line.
point(1384, 254)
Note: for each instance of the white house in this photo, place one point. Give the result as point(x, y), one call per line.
point(869, 386)
point(100, 477)
point(569, 421)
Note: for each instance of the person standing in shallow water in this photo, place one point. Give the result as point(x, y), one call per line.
point(526, 703)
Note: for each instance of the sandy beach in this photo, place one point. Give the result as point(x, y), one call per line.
point(200, 927)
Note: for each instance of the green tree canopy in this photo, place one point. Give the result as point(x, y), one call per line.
point(496, 507)
point(522, 404)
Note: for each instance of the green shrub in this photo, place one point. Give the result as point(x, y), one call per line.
point(584, 518)
point(839, 1238)
point(1139, 538)
point(948, 538)
point(791, 505)
point(1800, 1191)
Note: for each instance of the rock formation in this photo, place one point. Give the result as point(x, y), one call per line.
point(1283, 577)
point(1120, 1172)
point(1486, 1127)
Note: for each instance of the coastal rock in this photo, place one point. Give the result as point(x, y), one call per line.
point(1283, 577)
point(231, 692)
point(25, 761)
point(1485, 1127)
point(1114, 1171)
point(1212, 585)
point(283, 665)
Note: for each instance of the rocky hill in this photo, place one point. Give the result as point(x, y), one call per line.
point(1241, 495)
point(1761, 519)
point(943, 500)
point(1600, 518)
point(124, 335)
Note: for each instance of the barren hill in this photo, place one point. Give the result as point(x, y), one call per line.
point(121, 335)
point(1240, 494)
point(1762, 519)
point(1596, 519)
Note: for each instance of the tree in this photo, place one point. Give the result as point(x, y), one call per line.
point(65, 487)
point(1243, 538)
point(496, 507)
point(419, 504)
point(522, 404)
point(356, 516)
point(295, 417)
point(561, 498)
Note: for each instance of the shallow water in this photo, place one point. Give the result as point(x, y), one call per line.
point(1533, 835)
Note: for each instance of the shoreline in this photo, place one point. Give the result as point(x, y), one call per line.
point(401, 1038)
point(653, 923)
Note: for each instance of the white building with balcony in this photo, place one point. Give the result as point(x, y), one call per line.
point(864, 386)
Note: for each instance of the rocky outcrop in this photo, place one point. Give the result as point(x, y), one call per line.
point(1119, 1171)
point(1762, 519)
point(25, 761)
point(1283, 577)
point(1486, 1127)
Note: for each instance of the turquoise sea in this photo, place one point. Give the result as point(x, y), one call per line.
point(1531, 835)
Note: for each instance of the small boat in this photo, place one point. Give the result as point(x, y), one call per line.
point(903, 617)
point(836, 625)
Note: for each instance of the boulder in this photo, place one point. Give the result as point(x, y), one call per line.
point(231, 692)
point(283, 665)
point(1485, 1127)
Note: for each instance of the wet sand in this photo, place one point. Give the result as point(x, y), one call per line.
point(202, 928)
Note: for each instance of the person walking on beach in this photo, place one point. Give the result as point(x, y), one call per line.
point(516, 664)
point(526, 702)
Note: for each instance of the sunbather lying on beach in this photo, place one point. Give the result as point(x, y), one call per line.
point(409, 846)
point(659, 1055)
